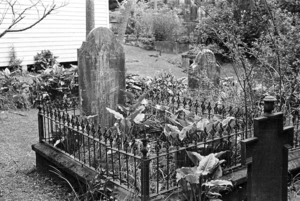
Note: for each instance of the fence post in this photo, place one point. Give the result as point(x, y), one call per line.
point(40, 124)
point(145, 173)
point(266, 156)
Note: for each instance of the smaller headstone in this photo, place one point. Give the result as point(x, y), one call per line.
point(204, 66)
point(201, 13)
point(194, 12)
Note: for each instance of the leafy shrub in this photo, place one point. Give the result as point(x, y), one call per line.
point(228, 19)
point(166, 26)
point(44, 60)
point(14, 62)
point(13, 92)
point(163, 24)
point(55, 83)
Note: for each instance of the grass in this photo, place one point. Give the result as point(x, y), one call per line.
point(19, 179)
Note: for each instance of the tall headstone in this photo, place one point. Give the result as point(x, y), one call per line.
point(101, 63)
point(205, 64)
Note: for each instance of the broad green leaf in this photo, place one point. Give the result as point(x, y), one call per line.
point(122, 108)
point(170, 130)
point(191, 172)
point(183, 122)
point(6, 72)
point(137, 111)
point(226, 121)
point(125, 125)
point(139, 118)
point(116, 114)
point(195, 157)
point(213, 196)
point(136, 87)
point(217, 117)
point(214, 183)
point(208, 164)
point(129, 95)
point(48, 71)
point(192, 178)
point(191, 118)
point(219, 154)
point(116, 125)
point(170, 91)
point(184, 131)
point(139, 101)
point(181, 109)
point(144, 102)
point(202, 124)
point(161, 107)
point(173, 121)
point(218, 173)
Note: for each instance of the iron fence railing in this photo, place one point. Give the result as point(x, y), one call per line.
point(145, 164)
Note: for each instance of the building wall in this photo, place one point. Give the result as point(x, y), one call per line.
point(62, 32)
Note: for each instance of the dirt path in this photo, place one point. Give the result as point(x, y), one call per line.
point(18, 177)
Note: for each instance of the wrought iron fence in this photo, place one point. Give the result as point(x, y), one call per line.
point(144, 164)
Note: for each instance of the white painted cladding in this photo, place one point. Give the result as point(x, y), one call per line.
point(62, 32)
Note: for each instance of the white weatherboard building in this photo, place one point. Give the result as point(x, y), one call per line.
point(62, 32)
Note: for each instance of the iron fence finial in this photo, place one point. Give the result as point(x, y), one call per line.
point(269, 104)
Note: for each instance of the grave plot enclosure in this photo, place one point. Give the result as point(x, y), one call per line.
point(145, 164)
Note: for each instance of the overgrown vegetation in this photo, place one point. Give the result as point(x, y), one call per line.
point(43, 60)
point(14, 61)
point(262, 43)
point(13, 92)
point(55, 84)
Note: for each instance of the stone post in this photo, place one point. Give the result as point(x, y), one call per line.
point(266, 156)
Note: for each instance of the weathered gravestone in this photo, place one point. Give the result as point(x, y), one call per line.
point(205, 64)
point(101, 63)
point(194, 12)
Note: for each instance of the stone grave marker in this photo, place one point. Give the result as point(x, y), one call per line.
point(101, 64)
point(205, 64)
point(194, 12)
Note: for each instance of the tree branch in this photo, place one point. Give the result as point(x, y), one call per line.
point(48, 9)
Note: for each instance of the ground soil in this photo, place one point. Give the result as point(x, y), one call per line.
point(19, 179)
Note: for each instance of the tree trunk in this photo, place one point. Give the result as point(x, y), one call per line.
point(90, 16)
point(125, 14)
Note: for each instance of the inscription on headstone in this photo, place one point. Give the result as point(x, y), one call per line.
point(205, 64)
point(101, 63)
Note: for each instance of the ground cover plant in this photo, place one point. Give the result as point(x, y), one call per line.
point(201, 182)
